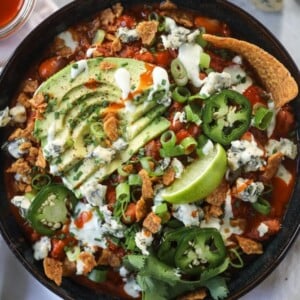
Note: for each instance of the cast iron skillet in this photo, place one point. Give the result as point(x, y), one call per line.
point(243, 26)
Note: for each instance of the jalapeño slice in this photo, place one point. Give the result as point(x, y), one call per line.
point(200, 250)
point(226, 116)
point(50, 208)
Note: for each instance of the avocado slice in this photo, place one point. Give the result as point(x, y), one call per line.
point(77, 97)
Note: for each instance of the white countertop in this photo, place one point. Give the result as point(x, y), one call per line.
point(17, 284)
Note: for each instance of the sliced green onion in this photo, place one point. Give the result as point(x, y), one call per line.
point(122, 199)
point(96, 129)
point(122, 173)
point(99, 36)
point(162, 211)
point(192, 113)
point(162, 24)
point(73, 253)
point(236, 256)
point(134, 179)
point(200, 40)
point(145, 163)
point(189, 144)
point(168, 139)
point(181, 94)
point(202, 140)
point(196, 97)
point(98, 275)
point(262, 118)
point(262, 206)
point(40, 180)
point(179, 72)
point(204, 60)
point(153, 16)
point(171, 152)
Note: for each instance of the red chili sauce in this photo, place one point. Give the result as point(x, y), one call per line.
point(9, 10)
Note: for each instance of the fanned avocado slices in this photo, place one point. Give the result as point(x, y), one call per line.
point(78, 97)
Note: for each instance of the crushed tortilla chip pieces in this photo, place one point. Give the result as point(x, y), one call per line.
point(273, 74)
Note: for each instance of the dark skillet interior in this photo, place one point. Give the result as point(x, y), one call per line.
point(243, 26)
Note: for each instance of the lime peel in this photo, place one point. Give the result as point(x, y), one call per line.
point(199, 179)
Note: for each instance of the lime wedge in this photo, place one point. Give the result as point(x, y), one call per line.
point(199, 179)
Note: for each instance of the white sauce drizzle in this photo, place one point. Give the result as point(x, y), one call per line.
point(67, 37)
point(122, 78)
point(79, 67)
point(189, 56)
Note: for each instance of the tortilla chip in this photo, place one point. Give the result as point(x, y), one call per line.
point(273, 74)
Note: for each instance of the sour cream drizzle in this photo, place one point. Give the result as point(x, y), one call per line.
point(122, 78)
point(189, 56)
point(79, 67)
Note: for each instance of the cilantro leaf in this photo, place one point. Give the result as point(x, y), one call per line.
point(152, 288)
point(134, 262)
point(217, 288)
point(161, 282)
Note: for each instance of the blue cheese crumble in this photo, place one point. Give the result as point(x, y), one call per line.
point(249, 191)
point(246, 155)
point(285, 146)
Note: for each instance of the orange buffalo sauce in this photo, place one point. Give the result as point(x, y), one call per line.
point(9, 10)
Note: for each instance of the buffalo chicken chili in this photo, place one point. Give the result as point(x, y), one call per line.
point(146, 162)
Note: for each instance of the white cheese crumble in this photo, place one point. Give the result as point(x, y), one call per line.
point(236, 73)
point(188, 214)
point(80, 266)
point(248, 190)
point(120, 144)
point(123, 271)
point(94, 231)
point(55, 144)
point(285, 146)
point(41, 248)
point(243, 153)
point(179, 116)
point(262, 229)
point(215, 82)
point(143, 240)
point(239, 79)
point(177, 35)
point(122, 78)
point(208, 147)
point(22, 202)
point(94, 192)
point(132, 288)
point(237, 60)
point(103, 155)
point(127, 35)
point(78, 68)
point(18, 113)
point(4, 117)
point(178, 167)
point(13, 148)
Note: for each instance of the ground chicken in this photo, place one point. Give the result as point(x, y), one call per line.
point(53, 269)
point(218, 196)
point(147, 31)
point(147, 189)
point(152, 223)
point(249, 246)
